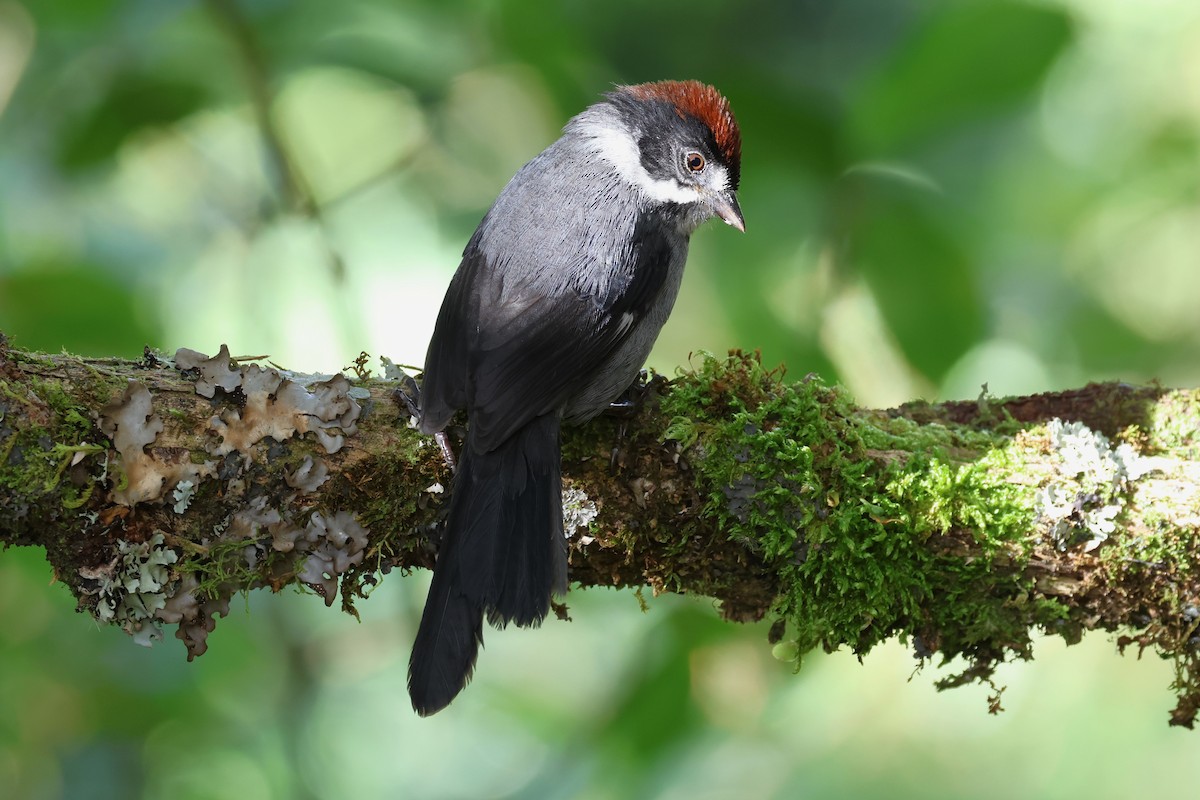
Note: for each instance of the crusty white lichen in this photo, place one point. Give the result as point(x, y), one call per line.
point(1088, 490)
point(579, 512)
point(132, 587)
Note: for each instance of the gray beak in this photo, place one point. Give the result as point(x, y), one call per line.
point(725, 206)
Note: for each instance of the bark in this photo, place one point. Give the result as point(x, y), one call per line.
point(159, 488)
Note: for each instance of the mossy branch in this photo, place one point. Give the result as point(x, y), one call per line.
point(160, 488)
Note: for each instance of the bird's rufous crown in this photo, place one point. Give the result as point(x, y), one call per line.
point(705, 104)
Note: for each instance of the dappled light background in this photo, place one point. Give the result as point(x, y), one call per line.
point(938, 195)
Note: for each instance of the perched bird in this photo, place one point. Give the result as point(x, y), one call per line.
point(560, 295)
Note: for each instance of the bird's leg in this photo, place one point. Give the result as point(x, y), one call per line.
point(443, 443)
point(408, 393)
point(627, 406)
point(632, 399)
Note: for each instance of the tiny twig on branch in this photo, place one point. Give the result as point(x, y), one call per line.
point(282, 165)
point(162, 487)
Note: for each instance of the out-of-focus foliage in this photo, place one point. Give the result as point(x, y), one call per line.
point(938, 194)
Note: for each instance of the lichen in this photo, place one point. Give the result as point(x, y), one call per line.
point(237, 544)
point(337, 544)
point(129, 589)
point(1082, 501)
point(270, 403)
point(194, 613)
point(211, 374)
point(133, 426)
point(579, 511)
point(184, 491)
point(309, 476)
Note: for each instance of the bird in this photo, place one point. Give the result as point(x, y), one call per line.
point(560, 295)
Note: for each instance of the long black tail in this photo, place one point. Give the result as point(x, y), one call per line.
point(503, 555)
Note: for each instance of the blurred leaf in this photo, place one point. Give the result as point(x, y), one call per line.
point(923, 279)
point(815, 144)
point(72, 13)
point(1112, 349)
point(970, 60)
point(133, 102)
point(77, 308)
point(657, 714)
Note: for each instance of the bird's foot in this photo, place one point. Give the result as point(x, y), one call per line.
point(408, 395)
point(632, 399)
point(627, 406)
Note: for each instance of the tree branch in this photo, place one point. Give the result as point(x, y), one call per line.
point(161, 488)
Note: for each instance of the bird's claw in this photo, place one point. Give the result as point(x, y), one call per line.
point(408, 394)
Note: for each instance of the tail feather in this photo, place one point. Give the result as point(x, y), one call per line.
point(503, 555)
point(446, 646)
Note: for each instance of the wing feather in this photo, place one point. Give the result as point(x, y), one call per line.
point(511, 346)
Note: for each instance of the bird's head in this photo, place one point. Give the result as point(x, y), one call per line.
point(675, 142)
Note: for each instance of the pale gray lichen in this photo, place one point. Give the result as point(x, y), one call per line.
point(339, 544)
point(133, 426)
point(272, 404)
point(329, 545)
point(309, 476)
point(132, 587)
point(249, 523)
point(217, 372)
point(1082, 502)
point(579, 512)
point(196, 618)
point(391, 370)
point(184, 490)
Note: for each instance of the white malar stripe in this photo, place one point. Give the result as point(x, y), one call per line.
point(617, 147)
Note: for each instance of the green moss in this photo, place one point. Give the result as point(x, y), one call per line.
point(45, 450)
point(862, 514)
point(1157, 539)
point(37, 448)
point(38, 360)
point(30, 471)
point(222, 564)
point(1175, 424)
point(387, 517)
point(877, 526)
point(386, 512)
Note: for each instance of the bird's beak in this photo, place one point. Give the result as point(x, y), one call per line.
point(725, 206)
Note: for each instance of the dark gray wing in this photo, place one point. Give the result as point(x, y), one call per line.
point(512, 353)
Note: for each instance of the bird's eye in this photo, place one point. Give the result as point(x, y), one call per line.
point(695, 162)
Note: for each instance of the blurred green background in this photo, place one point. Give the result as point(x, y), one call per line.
point(937, 194)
